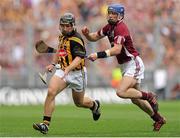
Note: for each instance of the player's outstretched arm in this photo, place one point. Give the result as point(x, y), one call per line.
point(90, 36)
point(113, 51)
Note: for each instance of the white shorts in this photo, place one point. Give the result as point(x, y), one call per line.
point(133, 68)
point(77, 80)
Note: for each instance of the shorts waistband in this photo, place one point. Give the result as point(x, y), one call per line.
point(73, 69)
point(59, 67)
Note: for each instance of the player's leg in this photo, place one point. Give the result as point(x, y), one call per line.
point(133, 73)
point(56, 85)
point(78, 85)
point(159, 120)
point(143, 104)
point(127, 90)
point(81, 101)
point(148, 105)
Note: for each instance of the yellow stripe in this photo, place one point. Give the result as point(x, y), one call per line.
point(64, 62)
point(83, 62)
point(76, 40)
point(69, 52)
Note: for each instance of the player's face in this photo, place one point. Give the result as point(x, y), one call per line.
point(66, 28)
point(113, 16)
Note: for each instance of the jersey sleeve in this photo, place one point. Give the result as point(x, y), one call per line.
point(103, 31)
point(77, 47)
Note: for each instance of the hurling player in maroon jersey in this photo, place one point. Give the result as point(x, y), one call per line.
point(128, 57)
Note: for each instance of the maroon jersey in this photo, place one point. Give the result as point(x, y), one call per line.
point(119, 34)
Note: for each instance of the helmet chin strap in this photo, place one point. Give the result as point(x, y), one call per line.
point(111, 22)
point(68, 33)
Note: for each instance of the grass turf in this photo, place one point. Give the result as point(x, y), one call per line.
point(117, 120)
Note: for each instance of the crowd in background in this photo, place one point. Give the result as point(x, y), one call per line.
point(154, 26)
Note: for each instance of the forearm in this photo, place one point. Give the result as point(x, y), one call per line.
point(55, 58)
point(93, 37)
point(74, 63)
point(110, 52)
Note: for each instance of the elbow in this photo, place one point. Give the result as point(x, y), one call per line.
point(90, 39)
point(93, 37)
point(93, 40)
point(117, 51)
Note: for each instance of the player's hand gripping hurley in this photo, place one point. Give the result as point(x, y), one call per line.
point(43, 76)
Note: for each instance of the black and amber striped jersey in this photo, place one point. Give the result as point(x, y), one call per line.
point(69, 48)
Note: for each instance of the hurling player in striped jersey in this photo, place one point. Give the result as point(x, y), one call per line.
point(71, 73)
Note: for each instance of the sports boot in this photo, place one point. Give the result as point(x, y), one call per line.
point(158, 124)
point(43, 128)
point(96, 111)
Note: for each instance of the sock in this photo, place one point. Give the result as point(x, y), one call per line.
point(46, 120)
point(145, 95)
point(93, 106)
point(156, 117)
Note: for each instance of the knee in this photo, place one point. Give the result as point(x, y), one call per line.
point(134, 101)
point(120, 93)
point(51, 92)
point(130, 90)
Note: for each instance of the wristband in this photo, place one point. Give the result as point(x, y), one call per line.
point(108, 53)
point(50, 50)
point(103, 54)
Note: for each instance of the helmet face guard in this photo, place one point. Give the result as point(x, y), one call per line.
point(116, 9)
point(67, 19)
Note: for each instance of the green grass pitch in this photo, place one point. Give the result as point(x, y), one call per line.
point(117, 120)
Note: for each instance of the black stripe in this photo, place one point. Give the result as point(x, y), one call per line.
point(67, 60)
point(62, 63)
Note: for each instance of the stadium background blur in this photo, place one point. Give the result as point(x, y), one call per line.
point(154, 26)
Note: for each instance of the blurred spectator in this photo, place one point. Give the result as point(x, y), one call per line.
point(155, 30)
point(175, 92)
point(160, 82)
point(116, 77)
